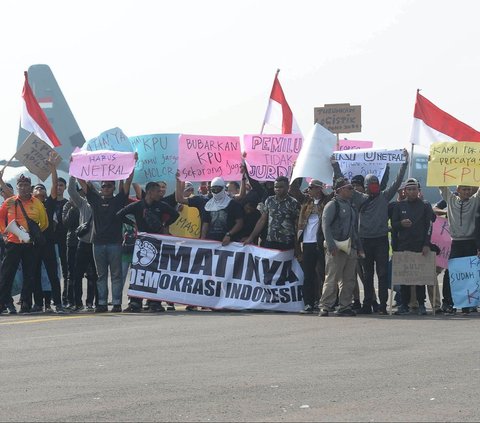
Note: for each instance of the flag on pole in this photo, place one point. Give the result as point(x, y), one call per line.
point(431, 124)
point(279, 117)
point(33, 118)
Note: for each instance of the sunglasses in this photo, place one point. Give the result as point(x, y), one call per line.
point(216, 189)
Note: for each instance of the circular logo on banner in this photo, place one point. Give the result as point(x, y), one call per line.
point(144, 253)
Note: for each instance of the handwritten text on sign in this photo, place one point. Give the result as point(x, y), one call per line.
point(441, 237)
point(157, 158)
point(102, 165)
point(413, 268)
point(113, 139)
point(203, 273)
point(203, 157)
point(465, 281)
point(33, 154)
point(367, 161)
point(354, 144)
point(454, 163)
point(270, 156)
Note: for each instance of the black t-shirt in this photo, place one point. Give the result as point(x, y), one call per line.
point(50, 206)
point(221, 221)
point(108, 227)
point(60, 231)
point(198, 201)
point(165, 214)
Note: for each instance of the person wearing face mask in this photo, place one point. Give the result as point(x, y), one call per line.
point(223, 219)
point(373, 231)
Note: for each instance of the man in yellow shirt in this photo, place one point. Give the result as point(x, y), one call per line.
point(17, 251)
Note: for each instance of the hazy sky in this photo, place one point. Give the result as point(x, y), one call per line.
point(207, 67)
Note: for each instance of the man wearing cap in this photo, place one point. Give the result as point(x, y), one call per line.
point(372, 207)
point(223, 218)
point(281, 212)
point(313, 254)
point(412, 230)
point(17, 251)
point(462, 209)
point(342, 246)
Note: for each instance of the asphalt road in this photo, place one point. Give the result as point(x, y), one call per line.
point(211, 366)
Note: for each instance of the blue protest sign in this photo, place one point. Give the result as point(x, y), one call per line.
point(465, 281)
point(157, 158)
point(114, 140)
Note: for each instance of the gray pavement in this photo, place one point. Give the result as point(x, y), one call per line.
point(214, 366)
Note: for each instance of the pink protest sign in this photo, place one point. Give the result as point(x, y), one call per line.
point(102, 165)
point(203, 157)
point(270, 156)
point(354, 145)
point(441, 238)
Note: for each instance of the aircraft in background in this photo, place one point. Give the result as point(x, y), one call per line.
point(53, 103)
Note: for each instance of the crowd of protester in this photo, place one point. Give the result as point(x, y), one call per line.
point(340, 237)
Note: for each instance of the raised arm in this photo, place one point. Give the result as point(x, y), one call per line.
point(53, 169)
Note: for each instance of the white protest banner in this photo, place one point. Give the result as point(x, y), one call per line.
point(441, 238)
point(313, 161)
point(270, 156)
point(203, 157)
point(113, 140)
point(410, 268)
point(102, 165)
point(204, 273)
point(367, 161)
point(465, 281)
point(33, 154)
point(157, 158)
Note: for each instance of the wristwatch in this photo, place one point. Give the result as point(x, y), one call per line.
point(228, 234)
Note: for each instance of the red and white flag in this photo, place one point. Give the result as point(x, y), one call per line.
point(34, 119)
point(279, 117)
point(431, 124)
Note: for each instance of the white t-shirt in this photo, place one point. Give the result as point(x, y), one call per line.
point(310, 231)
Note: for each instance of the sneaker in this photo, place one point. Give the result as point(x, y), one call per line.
point(348, 312)
point(101, 309)
point(36, 309)
point(466, 310)
point(191, 308)
point(365, 310)
point(48, 309)
point(60, 310)
point(70, 307)
point(323, 313)
point(402, 311)
point(382, 310)
point(422, 311)
point(90, 307)
point(375, 307)
point(170, 306)
point(117, 308)
point(316, 307)
point(79, 308)
point(308, 309)
point(156, 308)
point(11, 309)
point(356, 305)
point(132, 309)
point(24, 309)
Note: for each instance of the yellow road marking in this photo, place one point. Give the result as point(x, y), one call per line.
point(47, 319)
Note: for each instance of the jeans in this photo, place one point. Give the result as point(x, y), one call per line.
point(376, 258)
point(109, 257)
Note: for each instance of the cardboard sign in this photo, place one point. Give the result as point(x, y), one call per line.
point(454, 163)
point(269, 156)
point(203, 157)
point(204, 273)
point(441, 237)
point(413, 268)
point(354, 145)
point(33, 154)
point(102, 165)
point(188, 224)
point(465, 281)
point(112, 140)
point(157, 158)
point(339, 118)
